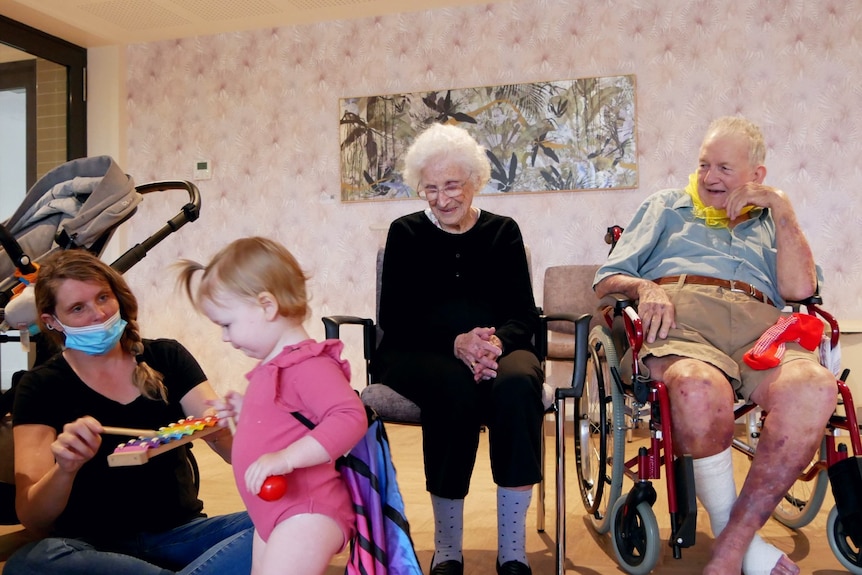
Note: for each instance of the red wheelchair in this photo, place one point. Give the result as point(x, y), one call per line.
point(611, 409)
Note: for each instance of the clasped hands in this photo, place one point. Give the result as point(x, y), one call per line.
point(479, 349)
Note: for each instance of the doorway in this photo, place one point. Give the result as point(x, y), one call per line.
point(43, 123)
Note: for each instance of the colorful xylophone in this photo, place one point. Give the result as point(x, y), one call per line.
point(138, 451)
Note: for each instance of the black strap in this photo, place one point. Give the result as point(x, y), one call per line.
point(302, 419)
point(66, 241)
point(307, 423)
point(370, 414)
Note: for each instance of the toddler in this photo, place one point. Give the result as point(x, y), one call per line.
point(254, 289)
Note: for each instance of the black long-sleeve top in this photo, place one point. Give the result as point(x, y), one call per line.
point(437, 285)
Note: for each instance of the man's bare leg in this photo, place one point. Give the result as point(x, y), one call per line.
point(799, 399)
point(702, 411)
point(716, 490)
point(701, 404)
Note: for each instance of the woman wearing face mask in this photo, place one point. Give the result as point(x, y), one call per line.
point(94, 518)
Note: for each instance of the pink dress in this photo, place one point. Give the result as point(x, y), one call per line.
point(311, 378)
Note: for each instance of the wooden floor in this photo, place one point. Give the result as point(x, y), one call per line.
point(587, 552)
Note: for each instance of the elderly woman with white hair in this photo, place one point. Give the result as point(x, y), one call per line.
point(458, 317)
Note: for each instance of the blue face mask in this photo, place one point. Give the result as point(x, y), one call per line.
point(95, 339)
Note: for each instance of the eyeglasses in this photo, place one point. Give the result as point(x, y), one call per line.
point(451, 189)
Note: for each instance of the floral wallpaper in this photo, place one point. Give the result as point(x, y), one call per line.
point(262, 106)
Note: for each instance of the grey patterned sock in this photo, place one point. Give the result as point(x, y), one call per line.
point(448, 529)
point(512, 508)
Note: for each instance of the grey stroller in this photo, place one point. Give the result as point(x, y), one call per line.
point(78, 205)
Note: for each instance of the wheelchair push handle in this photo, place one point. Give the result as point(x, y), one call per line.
point(613, 236)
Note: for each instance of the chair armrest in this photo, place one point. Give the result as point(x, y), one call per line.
point(332, 326)
point(544, 329)
point(582, 334)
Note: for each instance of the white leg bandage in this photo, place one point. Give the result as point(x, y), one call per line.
point(716, 490)
point(715, 487)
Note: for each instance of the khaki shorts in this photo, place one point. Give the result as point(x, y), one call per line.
point(718, 326)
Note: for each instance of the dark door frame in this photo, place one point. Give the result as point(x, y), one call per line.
point(74, 58)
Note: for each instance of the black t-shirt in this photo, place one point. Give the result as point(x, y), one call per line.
point(109, 502)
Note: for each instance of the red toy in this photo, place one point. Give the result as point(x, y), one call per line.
point(273, 488)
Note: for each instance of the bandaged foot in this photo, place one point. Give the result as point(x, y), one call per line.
point(716, 490)
point(767, 352)
point(761, 558)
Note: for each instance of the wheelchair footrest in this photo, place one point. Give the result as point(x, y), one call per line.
point(846, 480)
point(684, 522)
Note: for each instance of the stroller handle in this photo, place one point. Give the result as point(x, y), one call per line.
point(13, 249)
point(189, 213)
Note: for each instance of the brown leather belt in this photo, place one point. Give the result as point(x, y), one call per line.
point(731, 285)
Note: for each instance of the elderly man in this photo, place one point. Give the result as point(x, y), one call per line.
point(711, 267)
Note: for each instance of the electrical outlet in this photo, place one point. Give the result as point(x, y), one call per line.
point(327, 198)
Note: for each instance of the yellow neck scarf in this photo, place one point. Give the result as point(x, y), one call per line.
point(714, 217)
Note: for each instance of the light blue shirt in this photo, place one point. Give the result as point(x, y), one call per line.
point(665, 239)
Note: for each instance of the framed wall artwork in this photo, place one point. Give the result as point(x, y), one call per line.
point(566, 135)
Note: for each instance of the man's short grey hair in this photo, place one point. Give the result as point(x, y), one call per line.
point(446, 142)
point(745, 128)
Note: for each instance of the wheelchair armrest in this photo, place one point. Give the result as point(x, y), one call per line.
point(582, 333)
point(812, 305)
point(812, 300)
point(617, 301)
point(620, 305)
point(332, 326)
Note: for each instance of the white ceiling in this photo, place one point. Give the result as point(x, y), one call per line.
point(93, 23)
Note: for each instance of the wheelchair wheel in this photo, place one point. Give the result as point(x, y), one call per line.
point(848, 554)
point(637, 548)
point(599, 433)
point(803, 500)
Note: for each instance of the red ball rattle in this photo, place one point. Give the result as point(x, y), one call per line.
point(273, 488)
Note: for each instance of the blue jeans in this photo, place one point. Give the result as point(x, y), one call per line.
point(217, 545)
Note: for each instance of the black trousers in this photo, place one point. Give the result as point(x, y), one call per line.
point(454, 407)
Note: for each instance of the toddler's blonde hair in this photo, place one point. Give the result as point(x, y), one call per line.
point(246, 268)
